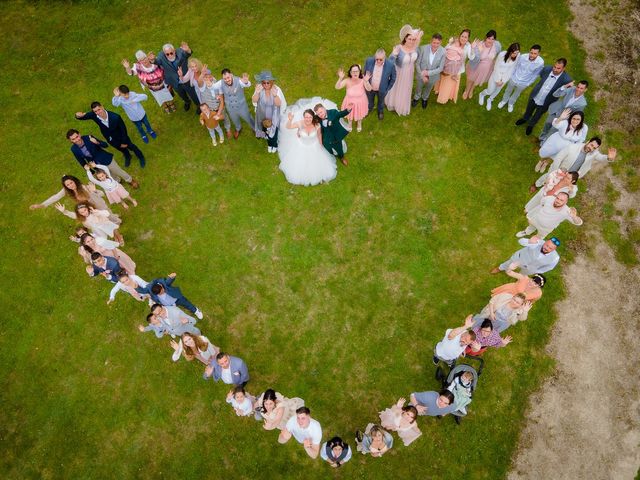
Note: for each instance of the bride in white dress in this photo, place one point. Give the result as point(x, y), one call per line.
point(303, 159)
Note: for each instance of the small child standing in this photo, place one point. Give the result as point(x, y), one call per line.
point(271, 132)
point(211, 121)
point(241, 402)
point(130, 102)
point(116, 193)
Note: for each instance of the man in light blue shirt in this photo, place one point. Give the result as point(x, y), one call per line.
point(130, 102)
point(526, 71)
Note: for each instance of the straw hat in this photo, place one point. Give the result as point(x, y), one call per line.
point(405, 30)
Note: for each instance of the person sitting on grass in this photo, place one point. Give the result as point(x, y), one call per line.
point(305, 430)
point(336, 452)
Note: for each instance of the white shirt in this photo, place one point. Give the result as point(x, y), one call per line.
point(526, 71)
point(432, 55)
point(121, 286)
point(450, 349)
point(225, 375)
point(546, 88)
point(546, 217)
point(313, 431)
point(105, 120)
point(245, 407)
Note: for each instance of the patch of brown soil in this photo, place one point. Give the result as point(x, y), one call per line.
point(585, 420)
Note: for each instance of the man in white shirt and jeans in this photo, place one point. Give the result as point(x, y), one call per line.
point(527, 69)
point(305, 430)
point(454, 343)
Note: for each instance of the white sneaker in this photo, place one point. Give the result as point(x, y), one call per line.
point(213, 140)
point(481, 98)
point(521, 234)
point(268, 149)
point(198, 314)
point(510, 108)
point(489, 105)
point(502, 104)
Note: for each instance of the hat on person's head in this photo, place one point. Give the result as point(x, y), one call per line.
point(405, 30)
point(140, 55)
point(265, 76)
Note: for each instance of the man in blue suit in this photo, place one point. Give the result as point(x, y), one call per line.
point(108, 267)
point(383, 76)
point(541, 97)
point(231, 370)
point(162, 291)
point(114, 130)
point(87, 149)
point(174, 63)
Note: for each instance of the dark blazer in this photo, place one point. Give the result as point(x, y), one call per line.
point(166, 284)
point(171, 71)
point(562, 79)
point(333, 132)
point(98, 155)
point(116, 133)
point(112, 268)
point(239, 370)
point(388, 74)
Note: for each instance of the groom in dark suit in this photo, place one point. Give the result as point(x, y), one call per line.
point(383, 76)
point(332, 130)
point(541, 97)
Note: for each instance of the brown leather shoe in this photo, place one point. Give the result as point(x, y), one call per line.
point(494, 271)
point(228, 133)
point(533, 188)
point(236, 134)
point(344, 161)
point(134, 183)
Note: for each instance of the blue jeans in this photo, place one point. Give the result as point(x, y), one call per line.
point(139, 123)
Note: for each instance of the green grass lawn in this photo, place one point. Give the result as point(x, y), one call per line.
point(336, 293)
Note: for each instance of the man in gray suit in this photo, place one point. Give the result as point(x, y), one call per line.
point(429, 65)
point(569, 96)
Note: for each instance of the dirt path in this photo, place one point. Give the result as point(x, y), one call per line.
point(585, 420)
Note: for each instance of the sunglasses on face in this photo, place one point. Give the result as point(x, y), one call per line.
point(555, 241)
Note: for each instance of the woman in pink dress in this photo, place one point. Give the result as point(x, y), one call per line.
point(402, 420)
point(398, 99)
point(480, 67)
point(456, 53)
point(356, 97)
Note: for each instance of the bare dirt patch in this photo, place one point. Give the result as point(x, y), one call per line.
point(585, 420)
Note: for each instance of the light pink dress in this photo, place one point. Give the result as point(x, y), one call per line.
point(356, 99)
point(483, 71)
point(390, 420)
point(398, 99)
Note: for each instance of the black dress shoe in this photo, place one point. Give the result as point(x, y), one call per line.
point(414, 102)
point(424, 103)
point(520, 121)
point(380, 116)
point(529, 130)
point(187, 106)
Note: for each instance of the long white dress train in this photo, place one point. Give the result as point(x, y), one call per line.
point(303, 159)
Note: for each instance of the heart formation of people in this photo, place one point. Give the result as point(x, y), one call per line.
point(309, 138)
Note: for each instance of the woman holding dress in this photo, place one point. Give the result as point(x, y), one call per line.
point(571, 129)
point(303, 159)
point(456, 54)
point(276, 409)
point(151, 76)
point(405, 54)
point(502, 71)
point(268, 100)
point(402, 420)
point(480, 67)
point(356, 97)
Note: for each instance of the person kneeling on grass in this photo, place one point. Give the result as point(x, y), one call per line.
point(241, 401)
point(306, 431)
